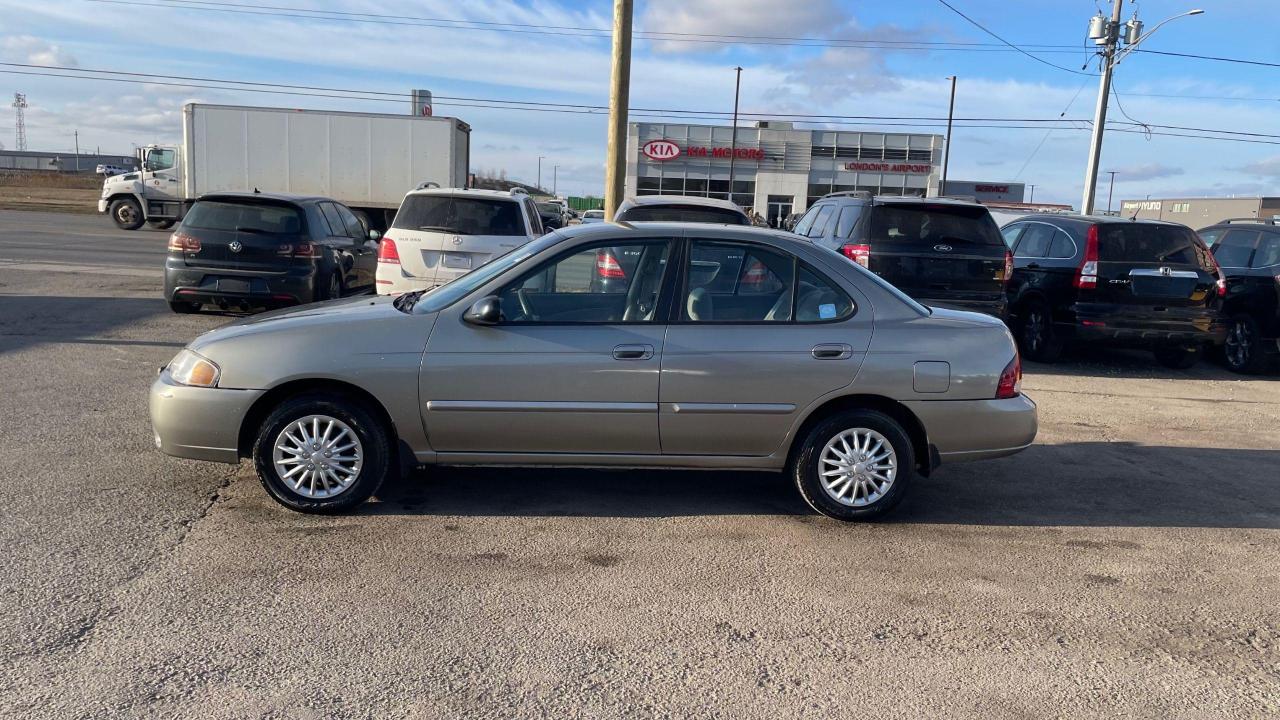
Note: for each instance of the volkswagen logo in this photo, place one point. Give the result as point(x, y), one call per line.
point(235, 246)
point(942, 248)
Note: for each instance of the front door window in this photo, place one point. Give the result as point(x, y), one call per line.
point(598, 284)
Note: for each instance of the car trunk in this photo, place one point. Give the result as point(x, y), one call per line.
point(1152, 266)
point(441, 236)
point(235, 234)
point(938, 252)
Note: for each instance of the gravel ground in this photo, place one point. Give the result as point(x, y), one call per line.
point(1126, 565)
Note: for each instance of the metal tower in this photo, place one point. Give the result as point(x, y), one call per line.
point(19, 121)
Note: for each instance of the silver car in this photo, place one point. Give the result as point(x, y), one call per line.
point(722, 347)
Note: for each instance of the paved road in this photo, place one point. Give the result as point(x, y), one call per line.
point(87, 240)
point(1127, 565)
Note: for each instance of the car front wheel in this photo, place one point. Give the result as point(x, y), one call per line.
point(127, 214)
point(321, 454)
point(855, 465)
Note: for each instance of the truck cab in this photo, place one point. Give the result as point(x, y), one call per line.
point(153, 194)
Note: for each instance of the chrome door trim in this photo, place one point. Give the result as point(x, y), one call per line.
point(539, 406)
point(685, 408)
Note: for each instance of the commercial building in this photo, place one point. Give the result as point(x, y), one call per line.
point(1199, 212)
point(59, 162)
point(986, 192)
point(777, 169)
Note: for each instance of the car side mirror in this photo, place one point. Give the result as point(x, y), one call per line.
point(375, 236)
point(485, 311)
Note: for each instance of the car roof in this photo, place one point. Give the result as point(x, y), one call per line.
point(470, 192)
point(677, 229)
point(1095, 219)
point(285, 197)
point(693, 200)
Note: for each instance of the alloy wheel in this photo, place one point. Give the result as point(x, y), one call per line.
point(1034, 331)
point(318, 456)
point(1239, 344)
point(857, 467)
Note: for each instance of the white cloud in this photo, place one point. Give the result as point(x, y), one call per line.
point(738, 17)
point(1147, 171)
point(32, 50)
point(1267, 167)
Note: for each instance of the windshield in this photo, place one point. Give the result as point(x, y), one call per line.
point(683, 213)
point(460, 215)
point(257, 217)
point(926, 223)
point(449, 293)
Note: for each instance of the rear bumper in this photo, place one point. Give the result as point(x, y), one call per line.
point(392, 280)
point(218, 286)
point(198, 423)
point(964, 430)
point(1144, 328)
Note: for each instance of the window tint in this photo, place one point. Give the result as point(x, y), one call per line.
point(1062, 247)
point(849, 215)
point(819, 227)
point(683, 213)
point(602, 284)
point(924, 223)
point(460, 215)
point(732, 282)
point(336, 227)
point(1035, 241)
point(355, 228)
point(1148, 243)
point(256, 217)
point(818, 300)
point(1010, 233)
point(1268, 253)
point(806, 222)
point(1235, 248)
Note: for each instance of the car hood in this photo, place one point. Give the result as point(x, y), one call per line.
point(336, 320)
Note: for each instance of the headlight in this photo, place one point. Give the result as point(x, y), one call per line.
point(188, 368)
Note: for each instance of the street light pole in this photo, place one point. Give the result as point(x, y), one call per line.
point(540, 157)
point(733, 141)
point(946, 152)
point(77, 151)
point(555, 177)
point(1112, 191)
point(1031, 200)
point(619, 96)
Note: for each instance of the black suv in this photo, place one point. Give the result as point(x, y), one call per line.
point(1248, 249)
point(1139, 283)
point(246, 250)
point(940, 252)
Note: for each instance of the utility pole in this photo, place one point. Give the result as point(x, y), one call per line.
point(1032, 199)
point(540, 157)
point(555, 177)
point(946, 152)
point(77, 150)
point(733, 141)
point(1109, 40)
point(615, 171)
point(1112, 191)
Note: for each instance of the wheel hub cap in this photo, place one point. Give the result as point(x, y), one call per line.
point(318, 456)
point(857, 467)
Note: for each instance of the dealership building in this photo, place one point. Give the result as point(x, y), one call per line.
point(1199, 212)
point(778, 169)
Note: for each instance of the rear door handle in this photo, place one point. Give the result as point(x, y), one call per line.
point(632, 352)
point(1033, 266)
point(832, 351)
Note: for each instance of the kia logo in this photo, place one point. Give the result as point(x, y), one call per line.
point(235, 246)
point(942, 248)
point(660, 150)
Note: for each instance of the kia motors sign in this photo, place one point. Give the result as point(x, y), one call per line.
point(660, 150)
point(920, 168)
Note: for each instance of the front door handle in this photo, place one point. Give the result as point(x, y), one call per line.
point(832, 351)
point(632, 352)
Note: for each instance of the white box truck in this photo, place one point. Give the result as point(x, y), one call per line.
point(367, 161)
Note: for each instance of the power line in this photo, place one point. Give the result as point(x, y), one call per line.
point(1208, 57)
point(984, 29)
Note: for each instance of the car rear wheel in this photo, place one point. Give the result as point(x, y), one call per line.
point(127, 214)
point(1179, 356)
point(183, 307)
point(321, 454)
point(330, 290)
point(855, 465)
point(1243, 351)
point(1036, 336)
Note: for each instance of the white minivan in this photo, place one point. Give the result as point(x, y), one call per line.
point(442, 233)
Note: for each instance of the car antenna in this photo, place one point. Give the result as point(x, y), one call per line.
point(256, 191)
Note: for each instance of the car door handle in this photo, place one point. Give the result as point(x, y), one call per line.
point(633, 352)
point(832, 351)
point(1033, 266)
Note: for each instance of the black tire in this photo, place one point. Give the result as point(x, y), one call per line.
point(805, 468)
point(375, 462)
point(183, 307)
point(1179, 356)
point(330, 289)
point(162, 224)
point(126, 213)
point(1243, 352)
point(1037, 338)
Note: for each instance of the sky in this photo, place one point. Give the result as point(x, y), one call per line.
point(393, 46)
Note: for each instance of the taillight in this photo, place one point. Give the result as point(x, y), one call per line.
point(387, 251)
point(1087, 274)
point(298, 250)
point(179, 242)
point(1222, 278)
point(607, 265)
point(860, 254)
point(1010, 385)
point(1008, 266)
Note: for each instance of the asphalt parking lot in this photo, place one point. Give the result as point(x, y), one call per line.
point(1126, 565)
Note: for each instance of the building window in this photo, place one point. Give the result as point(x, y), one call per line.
point(822, 151)
point(1181, 207)
point(673, 185)
point(847, 152)
point(647, 186)
point(920, 155)
point(695, 186)
point(895, 154)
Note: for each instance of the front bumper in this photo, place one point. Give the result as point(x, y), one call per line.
point(198, 423)
point(217, 286)
point(102, 205)
point(964, 430)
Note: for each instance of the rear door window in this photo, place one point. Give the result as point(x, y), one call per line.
point(819, 228)
point(1010, 234)
point(1235, 248)
point(460, 215)
point(849, 215)
point(355, 228)
point(1268, 253)
point(930, 224)
point(1062, 247)
point(331, 216)
point(806, 222)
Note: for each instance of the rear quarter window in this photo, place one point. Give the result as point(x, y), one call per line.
point(929, 224)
